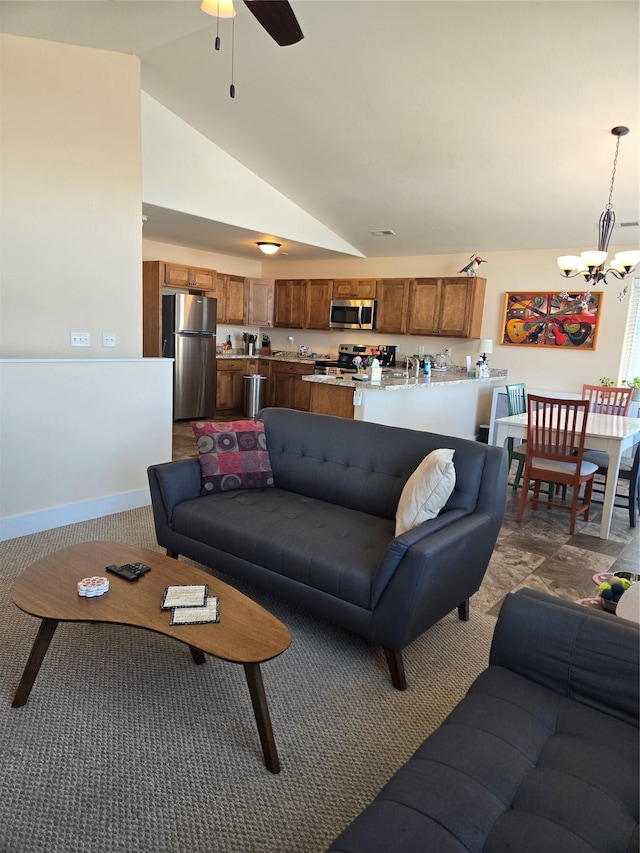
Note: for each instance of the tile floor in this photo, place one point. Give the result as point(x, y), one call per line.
point(537, 553)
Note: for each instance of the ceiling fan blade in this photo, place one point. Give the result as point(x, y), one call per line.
point(277, 18)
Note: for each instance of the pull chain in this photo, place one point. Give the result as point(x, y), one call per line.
point(232, 88)
point(218, 28)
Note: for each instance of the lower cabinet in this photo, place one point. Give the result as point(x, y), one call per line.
point(331, 399)
point(230, 384)
point(286, 388)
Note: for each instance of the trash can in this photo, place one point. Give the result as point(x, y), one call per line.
point(254, 386)
point(483, 436)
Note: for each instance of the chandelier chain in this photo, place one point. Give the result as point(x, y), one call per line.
point(613, 175)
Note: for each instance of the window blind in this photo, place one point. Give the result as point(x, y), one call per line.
point(630, 361)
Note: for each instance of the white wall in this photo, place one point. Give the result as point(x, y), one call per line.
point(76, 435)
point(185, 171)
point(79, 446)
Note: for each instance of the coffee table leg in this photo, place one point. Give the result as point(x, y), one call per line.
point(197, 655)
point(261, 711)
point(38, 651)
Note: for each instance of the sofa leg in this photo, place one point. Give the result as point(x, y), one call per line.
point(172, 554)
point(396, 668)
point(463, 610)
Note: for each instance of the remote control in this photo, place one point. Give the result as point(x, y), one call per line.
point(130, 571)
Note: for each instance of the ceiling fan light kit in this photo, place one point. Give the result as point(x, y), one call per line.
point(591, 264)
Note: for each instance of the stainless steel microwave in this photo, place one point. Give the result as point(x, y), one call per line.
point(352, 314)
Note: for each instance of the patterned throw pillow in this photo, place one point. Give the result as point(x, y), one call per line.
point(233, 455)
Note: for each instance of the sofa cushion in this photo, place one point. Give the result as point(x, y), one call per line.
point(233, 455)
point(328, 547)
point(427, 490)
point(515, 766)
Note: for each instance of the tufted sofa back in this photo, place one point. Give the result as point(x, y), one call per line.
point(365, 466)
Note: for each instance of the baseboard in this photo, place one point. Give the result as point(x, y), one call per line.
point(58, 516)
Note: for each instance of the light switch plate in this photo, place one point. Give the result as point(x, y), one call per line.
point(80, 339)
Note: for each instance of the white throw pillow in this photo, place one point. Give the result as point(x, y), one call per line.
point(427, 490)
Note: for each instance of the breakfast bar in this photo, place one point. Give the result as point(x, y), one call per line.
point(449, 402)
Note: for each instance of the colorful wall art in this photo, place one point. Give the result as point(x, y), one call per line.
point(568, 320)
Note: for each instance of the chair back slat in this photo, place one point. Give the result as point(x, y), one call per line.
point(516, 399)
point(608, 401)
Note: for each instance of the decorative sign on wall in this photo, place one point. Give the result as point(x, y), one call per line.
point(568, 320)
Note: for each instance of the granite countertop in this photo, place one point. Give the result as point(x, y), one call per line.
point(278, 356)
point(394, 382)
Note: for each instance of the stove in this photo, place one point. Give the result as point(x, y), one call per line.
point(347, 353)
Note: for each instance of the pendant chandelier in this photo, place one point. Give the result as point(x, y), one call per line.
point(591, 264)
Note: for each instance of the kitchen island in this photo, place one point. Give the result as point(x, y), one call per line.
point(449, 402)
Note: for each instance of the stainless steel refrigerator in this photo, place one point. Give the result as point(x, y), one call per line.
point(189, 337)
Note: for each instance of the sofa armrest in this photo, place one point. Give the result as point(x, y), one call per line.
point(583, 654)
point(173, 482)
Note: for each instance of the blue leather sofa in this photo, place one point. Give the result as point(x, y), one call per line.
point(324, 537)
point(541, 756)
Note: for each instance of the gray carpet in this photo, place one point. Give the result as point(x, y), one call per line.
point(125, 744)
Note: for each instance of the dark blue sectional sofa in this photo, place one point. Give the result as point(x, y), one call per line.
point(540, 757)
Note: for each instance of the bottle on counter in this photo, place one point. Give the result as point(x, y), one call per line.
point(228, 346)
point(427, 368)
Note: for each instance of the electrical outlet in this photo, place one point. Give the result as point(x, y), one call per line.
point(290, 339)
point(108, 339)
point(448, 351)
point(80, 339)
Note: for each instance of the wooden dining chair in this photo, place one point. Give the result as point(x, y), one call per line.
point(608, 401)
point(516, 405)
point(614, 401)
point(554, 454)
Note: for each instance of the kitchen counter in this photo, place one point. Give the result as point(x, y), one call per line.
point(278, 356)
point(449, 402)
point(395, 380)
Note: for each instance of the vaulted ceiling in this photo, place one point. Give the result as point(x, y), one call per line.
point(463, 126)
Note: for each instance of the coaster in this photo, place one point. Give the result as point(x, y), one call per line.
point(90, 587)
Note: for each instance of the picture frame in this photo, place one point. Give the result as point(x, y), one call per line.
point(556, 319)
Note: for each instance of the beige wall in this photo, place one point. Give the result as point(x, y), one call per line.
point(552, 369)
point(79, 426)
point(71, 186)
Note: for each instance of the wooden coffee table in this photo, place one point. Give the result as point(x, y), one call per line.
point(246, 632)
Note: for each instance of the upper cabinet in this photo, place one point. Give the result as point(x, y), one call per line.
point(450, 307)
point(354, 288)
point(261, 294)
point(393, 305)
point(290, 303)
point(318, 302)
point(232, 299)
point(178, 275)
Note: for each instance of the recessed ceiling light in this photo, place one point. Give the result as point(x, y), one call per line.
point(385, 232)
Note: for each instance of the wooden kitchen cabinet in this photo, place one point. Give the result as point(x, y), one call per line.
point(354, 288)
point(392, 295)
point(180, 275)
point(232, 299)
point(157, 275)
point(230, 384)
point(289, 303)
point(318, 303)
point(331, 399)
point(286, 388)
point(260, 299)
point(450, 307)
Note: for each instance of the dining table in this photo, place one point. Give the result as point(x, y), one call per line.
point(613, 434)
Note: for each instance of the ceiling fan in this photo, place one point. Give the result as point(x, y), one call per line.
point(275, 16)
